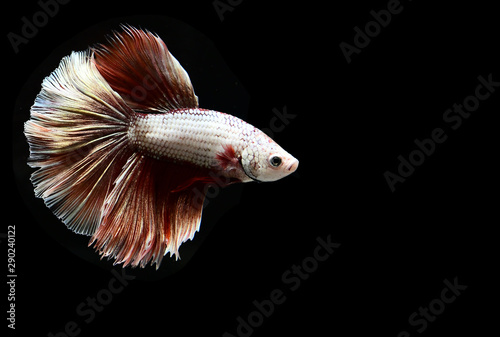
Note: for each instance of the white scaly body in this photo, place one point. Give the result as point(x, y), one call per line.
point(188, 135)
point(197, 136)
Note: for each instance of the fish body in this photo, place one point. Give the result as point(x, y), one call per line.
point(128, 169)
point(210, 139)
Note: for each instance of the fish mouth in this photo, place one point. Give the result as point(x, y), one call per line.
point(292, 166)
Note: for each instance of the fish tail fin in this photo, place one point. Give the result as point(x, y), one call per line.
point(136, 208)
point(78, 140)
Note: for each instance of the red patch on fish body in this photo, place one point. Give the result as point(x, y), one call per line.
point(228, 159)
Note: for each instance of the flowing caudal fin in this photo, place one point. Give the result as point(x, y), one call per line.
point(78, 141)
point(138, 65)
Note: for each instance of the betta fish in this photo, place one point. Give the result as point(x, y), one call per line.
point(123, 151)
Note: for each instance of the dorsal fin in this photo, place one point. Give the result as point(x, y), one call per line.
point(138, 65)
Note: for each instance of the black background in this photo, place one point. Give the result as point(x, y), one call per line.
point(352, 122)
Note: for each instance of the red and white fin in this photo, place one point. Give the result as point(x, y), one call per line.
point(135, 207)
point(78, 141)
point(138, 65)
point(227, 158)
point(143, 217)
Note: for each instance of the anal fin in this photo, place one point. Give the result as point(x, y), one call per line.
point(146, 215)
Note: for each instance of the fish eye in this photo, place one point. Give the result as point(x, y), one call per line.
point(275, 161)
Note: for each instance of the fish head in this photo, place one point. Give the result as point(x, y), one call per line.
point(263, 159)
